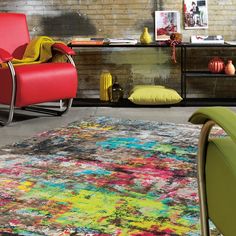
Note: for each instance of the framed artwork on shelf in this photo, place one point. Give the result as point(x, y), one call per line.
point(166, 22)
point(195, 14)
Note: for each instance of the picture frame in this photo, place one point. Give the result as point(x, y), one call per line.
point(195, 14)
point(166, 22)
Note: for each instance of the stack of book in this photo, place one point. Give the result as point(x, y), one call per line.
point(101, 41)
point(87, 41)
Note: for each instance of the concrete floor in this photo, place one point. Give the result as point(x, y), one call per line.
point(28, 125)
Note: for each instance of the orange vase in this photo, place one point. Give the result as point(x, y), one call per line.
point(229, 68)
point(216, 65)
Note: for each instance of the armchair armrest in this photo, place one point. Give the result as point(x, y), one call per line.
point(223, 117)
point(5, 56)
point(63, 48)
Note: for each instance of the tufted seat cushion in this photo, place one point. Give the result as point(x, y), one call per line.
point(39, 83)
point(221, 184)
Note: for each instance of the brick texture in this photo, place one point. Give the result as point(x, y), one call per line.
point(67, 19)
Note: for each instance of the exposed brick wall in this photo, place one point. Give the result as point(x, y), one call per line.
point(66, 19)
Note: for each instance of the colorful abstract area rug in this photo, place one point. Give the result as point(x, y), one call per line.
point(103, 177)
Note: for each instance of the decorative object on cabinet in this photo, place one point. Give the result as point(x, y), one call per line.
point(195, 14)
point(175, 39)
point(145, 37)
point(105, 83)
point(115, 92)
point(166, 22)
point(153, 95)
point(229, 68)
point(216, 65)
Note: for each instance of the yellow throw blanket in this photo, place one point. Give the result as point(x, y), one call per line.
point(37, 51)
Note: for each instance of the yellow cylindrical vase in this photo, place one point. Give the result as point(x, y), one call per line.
point(105, 83)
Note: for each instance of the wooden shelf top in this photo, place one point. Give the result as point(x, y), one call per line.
point(153, 44)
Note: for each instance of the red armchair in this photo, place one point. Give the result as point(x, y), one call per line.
point(26, 85)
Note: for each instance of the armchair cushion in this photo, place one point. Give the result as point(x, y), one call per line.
point(38, 83)
point(220, 184)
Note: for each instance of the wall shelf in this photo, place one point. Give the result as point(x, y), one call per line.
point(204, 74)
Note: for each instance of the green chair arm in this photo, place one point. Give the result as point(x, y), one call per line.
point(223, 117)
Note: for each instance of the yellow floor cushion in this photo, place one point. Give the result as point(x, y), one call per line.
point(153, 95)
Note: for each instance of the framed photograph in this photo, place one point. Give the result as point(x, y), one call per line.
point(195, 14)
point(166, 22)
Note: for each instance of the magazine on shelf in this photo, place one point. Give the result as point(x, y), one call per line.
point(215, 39)
point(122, 41)
point(231, 42)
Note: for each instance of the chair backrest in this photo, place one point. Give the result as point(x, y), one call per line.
point(14, 34)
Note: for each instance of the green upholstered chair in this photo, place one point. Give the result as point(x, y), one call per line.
point(217, 170)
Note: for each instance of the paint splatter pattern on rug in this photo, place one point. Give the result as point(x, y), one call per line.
point(102, 177)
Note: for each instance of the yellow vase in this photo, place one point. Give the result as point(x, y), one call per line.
point(105, 83)
point(145, 37)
